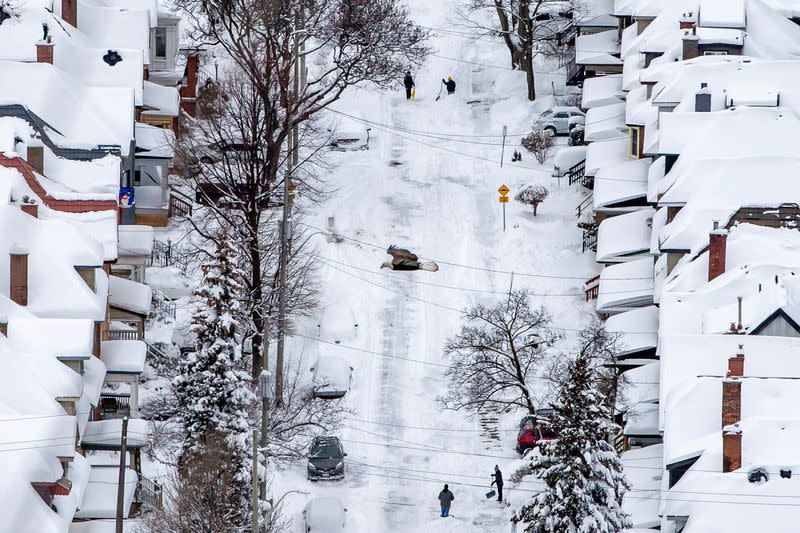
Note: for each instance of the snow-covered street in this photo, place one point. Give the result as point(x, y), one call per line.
point(429, 182)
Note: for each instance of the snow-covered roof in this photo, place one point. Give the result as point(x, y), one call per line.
point(605, 122)
point(568, 157)
point(124, 356)
point(154, 142)
point(100, 499)
point(597, 49)
point(80, 116)
point(135, 240)
point(603, 153)
point(602, 90)
point(160, 100)
point(720, 36)
point(642, 468)
point(637, 329)
point(621, 182)
point(722, 13)
point(626, 286)
point(624, 237)
point(129, 295)
point(116, 27)
point(101, 434)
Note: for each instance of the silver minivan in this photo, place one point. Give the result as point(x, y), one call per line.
point(559, 120)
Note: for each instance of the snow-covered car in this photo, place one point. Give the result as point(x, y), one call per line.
point(534, 429)
point(559, 120)
point(326, 459)
point(347, 141)
point(332, 377)
point(325, 515)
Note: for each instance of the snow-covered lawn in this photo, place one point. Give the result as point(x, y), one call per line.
point(436, 194)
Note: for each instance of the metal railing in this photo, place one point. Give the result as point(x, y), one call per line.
point(591, 288)
point(161, 256)
point(590, 239)
point(576, 172)
point(162, 305)
point(148, 493)
point(114, 405)
point(179, 205)
point(124, 335)
point(584, 205)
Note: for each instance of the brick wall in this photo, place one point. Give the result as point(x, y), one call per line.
point(44, 53)
point(69, 12)
point(731, 451)
point(717, 248)
point(691, 48)
point(35, 158)
point(731, 402)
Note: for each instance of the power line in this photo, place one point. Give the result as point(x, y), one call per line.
point(383, 354)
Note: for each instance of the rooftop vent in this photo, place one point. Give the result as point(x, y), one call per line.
point(112, 58)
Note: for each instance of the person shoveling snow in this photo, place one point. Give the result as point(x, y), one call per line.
point(402, 259)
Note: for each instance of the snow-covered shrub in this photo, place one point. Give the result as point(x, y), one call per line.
point(532, 195)
point(539, 144)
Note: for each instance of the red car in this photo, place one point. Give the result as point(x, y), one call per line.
point(533, 429)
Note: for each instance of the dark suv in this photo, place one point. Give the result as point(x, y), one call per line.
point(326, 459)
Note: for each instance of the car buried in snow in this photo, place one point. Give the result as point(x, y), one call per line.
point(332, 377)
point(349, 135)
point(325, 515)
point(326, 459)
point(534, 429)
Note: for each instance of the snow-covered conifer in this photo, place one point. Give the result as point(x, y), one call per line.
point(212, 390)
point(580, 469)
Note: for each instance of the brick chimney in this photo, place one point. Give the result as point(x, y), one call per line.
point(688, 21)
point(32, 209)
point(146, 73)
point(732, 413)
point(35, 158)
point(69, 12)
point(189, 88)
point(18, 286)
point(717, 245)
point(44, 51)
point(731, 448)
point(691, 44)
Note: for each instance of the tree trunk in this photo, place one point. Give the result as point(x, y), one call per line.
point(535, 206)
point(530, 77)
point(258, 310)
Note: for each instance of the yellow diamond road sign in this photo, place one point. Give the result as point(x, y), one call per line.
point(503, 190)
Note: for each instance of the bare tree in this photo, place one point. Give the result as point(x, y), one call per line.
point(528, 27)
point(532, 195)
point(602, 349)
point(496, 354)
point(197, 500)
point(345, 43)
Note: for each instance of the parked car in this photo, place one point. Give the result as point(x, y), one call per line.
point(332, 377)
point(324, 515)
point(534, 429)
point(348, 140)
point(559, 120)
point(326, 459)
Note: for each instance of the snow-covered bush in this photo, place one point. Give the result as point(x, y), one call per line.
point(532, 195)
point(581, 470)
point(539, 144)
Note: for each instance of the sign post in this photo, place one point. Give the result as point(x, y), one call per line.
point(503, 151)
point(503, 190)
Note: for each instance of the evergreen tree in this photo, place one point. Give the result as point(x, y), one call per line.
point(211, 388)
point(581, 470)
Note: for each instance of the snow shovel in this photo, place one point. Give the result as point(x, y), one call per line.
point(491, 494)
point(440, 92)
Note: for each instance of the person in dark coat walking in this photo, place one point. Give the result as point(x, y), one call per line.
point(408, 81)
point(445, 499)
point(498, 480)
point(450, 84)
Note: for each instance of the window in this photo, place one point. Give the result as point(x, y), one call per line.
point(161, 42)
point(715, 53)
point(634, 147)
point(562, 114)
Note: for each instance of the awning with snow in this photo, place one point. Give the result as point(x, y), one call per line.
point(626, 286)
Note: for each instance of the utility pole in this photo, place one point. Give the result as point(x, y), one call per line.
point(254, 475)
point(503, 150)
point(123, 449)
point(291, 162)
